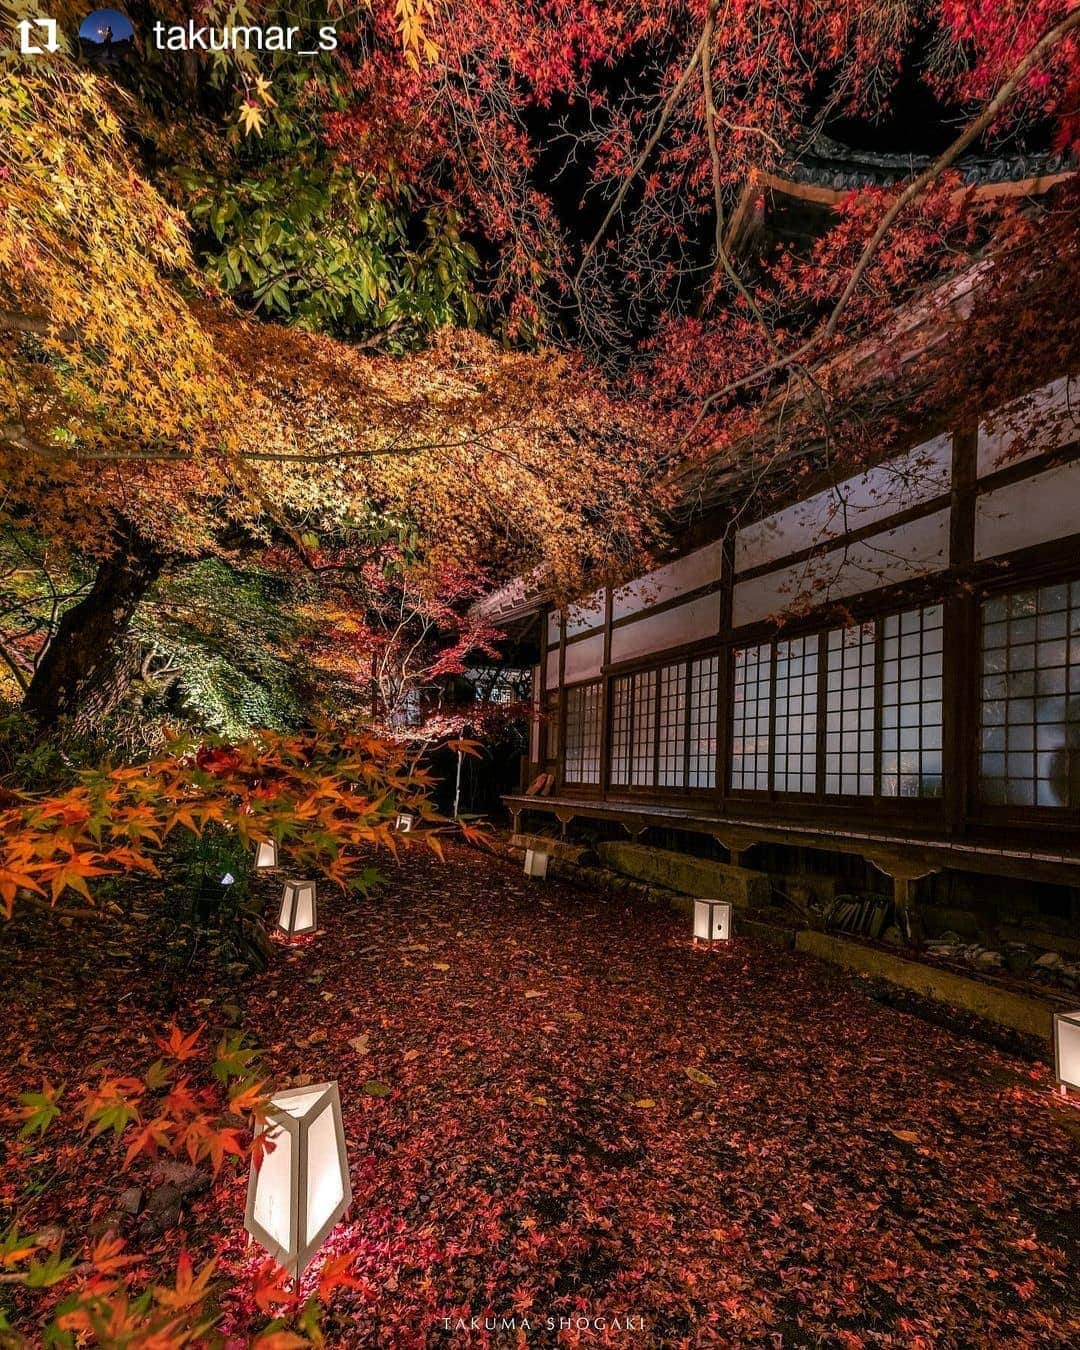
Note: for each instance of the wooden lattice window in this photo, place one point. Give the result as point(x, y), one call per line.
point(849, 711)
point(621, 721)
point(704, 694)
point(795, 724)
point(671, 727)
point(1030, 699)
point(911, 703)
point(751, 721)
point(663, 726)
point(583, 727)
point(879, 680)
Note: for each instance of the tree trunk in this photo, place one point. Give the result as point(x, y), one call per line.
point(80, 667)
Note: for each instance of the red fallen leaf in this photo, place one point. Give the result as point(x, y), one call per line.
point(155, 1134)
point(279, 1340)
point(466, 1158)
point(178, 1046)
point(335, 1274)
point(217, 760)
point(108, 1256)
point(270, 1287)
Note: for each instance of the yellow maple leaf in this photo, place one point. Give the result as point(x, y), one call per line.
point(251, 118)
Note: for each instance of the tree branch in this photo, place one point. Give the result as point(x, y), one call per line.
point(8, 660)
point(913, 190)
point(11, 322)
point(650, 145)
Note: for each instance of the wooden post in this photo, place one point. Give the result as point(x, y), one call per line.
point(738, 844)
point(457, 786)
point(904, 873)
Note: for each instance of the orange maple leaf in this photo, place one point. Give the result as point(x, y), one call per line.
point(334, 1274)
point(269, 1287)
point(178, 1046)
point(190, 1289)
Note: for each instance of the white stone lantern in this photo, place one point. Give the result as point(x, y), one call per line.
point(714, 920)
point(298, 914)
point(536, 863)
point(265, 855)
point(299, 1188)
point(405, 822)
point(1067, 1050)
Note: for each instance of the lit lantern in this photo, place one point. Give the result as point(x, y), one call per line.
point(535, 863)
point(405, 822)
point(299, 1188)
point(298, 914)
point(1067, 1049)
point(265, 854)
point(713, 920)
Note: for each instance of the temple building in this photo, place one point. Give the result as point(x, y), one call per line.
point(871, 679)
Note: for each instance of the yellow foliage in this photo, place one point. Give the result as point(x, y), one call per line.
point(131, 392)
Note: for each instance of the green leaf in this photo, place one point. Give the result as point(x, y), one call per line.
point(42, 1274)
point(233, 1059)
point(41, 1110)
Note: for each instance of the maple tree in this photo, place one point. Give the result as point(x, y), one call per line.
point(136, 435)
point(323, 794)
point(668, 109)
point(671, 104)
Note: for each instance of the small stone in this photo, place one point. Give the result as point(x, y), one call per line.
point(162, 1211)
point(187, 1179)
point(131, 1200)
point(1018, 960)
point(1050, 959)
point(893, 936)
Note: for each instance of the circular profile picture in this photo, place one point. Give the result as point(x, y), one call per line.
point(106, 35)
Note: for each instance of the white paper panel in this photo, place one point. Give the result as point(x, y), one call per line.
point(273, 1188)
point(534, 725)
point(884, 559)
point(325, 1189)
point(1030, 425)
point(672, 628)
point(584, 658)
point(554, 627)
point(916, 476)
point(665, 583)
point(589, 614)
point(305, 908)
point(551, 673)
point(1031, 511)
